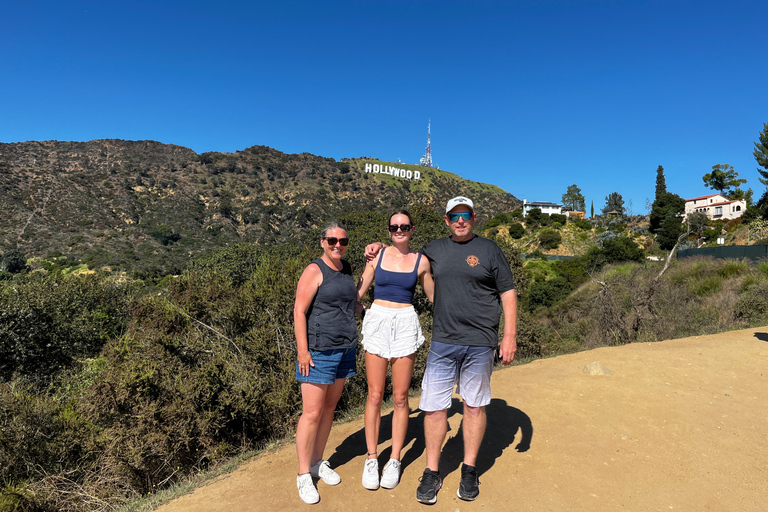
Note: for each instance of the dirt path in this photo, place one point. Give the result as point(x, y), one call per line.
point(680, 425)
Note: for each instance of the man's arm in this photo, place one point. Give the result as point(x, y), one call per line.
point(372, 250)
point(509, 341)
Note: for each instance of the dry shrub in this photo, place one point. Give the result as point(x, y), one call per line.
point(627, 303)
point(752, 305)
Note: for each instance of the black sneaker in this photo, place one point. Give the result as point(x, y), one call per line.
point(430, 484)
point(468, 488)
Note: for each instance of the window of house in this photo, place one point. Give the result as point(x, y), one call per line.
point(718, 210)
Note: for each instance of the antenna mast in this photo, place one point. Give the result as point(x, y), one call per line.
point(426, 160)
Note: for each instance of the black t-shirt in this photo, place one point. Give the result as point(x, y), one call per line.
point(469, 276)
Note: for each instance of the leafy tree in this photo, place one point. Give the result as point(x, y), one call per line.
point(671, 229)
point(666, 205)
point(722, 178)
point(516, 231)
point(661, 182)
point(164, 234)
point(697, 221)
point(574, 199)
point(622, 249)
point(583, 224)
point(535, 215)
point(492, 223)
point(592, 209)
point(543, 294)
point(738, 194)
point(550, 238)
point(13, 261)
point(558, 217)
point(613, 202)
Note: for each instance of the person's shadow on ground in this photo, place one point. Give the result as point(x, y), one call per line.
point(354, 445)
point(762, 336)
point(503, 423)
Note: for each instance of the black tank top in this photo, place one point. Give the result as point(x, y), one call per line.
point(331, 316)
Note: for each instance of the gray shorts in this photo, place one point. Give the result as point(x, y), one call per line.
point(448, 365)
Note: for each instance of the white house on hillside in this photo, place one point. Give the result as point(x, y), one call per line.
point(716, 207)
point(545, 207)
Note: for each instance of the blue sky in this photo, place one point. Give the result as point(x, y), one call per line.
point(529, 95)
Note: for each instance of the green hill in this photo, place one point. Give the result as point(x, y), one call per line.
point(148, 205)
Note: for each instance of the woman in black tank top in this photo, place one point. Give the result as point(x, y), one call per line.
point(391, 335)
point(326, 338)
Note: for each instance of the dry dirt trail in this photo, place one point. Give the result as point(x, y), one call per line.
point(680, 425)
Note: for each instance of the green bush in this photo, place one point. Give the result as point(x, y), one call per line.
point(732, 268)
point(13, 261)
point(516, 231)
point(583, 224)
point(543, 294)
point(535, 215)
point(549, 238)
point(752, 304)
point(559, 218)
point(47, 322)
point(705, 286)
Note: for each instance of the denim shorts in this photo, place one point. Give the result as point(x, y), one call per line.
point(448, 365)
point(340, 363)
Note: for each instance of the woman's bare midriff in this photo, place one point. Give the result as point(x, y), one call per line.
point(390, 304)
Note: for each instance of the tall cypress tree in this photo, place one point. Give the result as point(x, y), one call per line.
point(661, 182)
point(761, 154)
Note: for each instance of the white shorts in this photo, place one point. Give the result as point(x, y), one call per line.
point(391, 332)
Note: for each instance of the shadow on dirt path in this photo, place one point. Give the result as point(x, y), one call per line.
point(762, 336)
point(503, 423)
point(354, 445)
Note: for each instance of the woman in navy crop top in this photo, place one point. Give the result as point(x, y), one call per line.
point(391, 334)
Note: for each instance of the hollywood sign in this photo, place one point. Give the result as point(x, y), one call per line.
point(393, 171)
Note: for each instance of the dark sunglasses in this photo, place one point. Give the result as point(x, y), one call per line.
point(332, 240)
point(453, 217)
point(403, 227)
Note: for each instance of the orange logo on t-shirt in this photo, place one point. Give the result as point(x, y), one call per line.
point(472, 261)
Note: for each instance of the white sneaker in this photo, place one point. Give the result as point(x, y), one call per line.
point(390, 475)
point(307, 490)
point(371, 474)
point(323, 471)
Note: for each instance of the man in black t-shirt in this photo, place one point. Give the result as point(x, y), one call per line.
point(473, 282)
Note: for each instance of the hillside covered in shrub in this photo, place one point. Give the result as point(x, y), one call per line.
point(148, 207)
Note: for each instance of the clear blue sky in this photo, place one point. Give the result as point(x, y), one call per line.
point(529, 95)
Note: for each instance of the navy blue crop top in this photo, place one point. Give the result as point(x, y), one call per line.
point(395, 286)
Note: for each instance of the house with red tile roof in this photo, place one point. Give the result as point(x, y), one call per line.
point(716, 206)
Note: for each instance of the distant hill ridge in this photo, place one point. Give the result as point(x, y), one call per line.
point(130, 199)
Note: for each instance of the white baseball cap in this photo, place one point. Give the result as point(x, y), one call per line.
point(459, 200)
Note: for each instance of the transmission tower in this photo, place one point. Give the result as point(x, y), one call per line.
point(426, 160)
